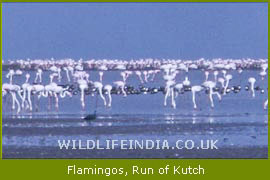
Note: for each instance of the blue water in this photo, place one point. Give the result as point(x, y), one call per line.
point(231, 104)
point(237, 121)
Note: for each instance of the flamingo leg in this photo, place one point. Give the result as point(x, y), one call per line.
point(173, 101)
point(110, 99)
point(166, 96)
point(101, 95)
point(82, 99)
point(123, 91)
point(194, 100)
point(13, 100)
point(29, 99)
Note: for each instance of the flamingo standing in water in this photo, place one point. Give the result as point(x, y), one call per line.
point(252, 81)
point(178, 88)
point(10, 75)
point(62, 92)
point(145, 73)
point(39, 90)
point(194, 90)
point(154, 74)
point(215, 76)
point(24, 89)
point(169, 92)
point(206, 73)
point(108, 88)
point(228, 77)
point(67, 73)
point(50, 88)
point(13, 89)
point(99, 86)
point(139, 74)
point(53, 90)
point(211, 85)
point(101, 72)
point(121, 85)
point(38, 76)
point(263, 72)
point(82, 85)
point(186, 82)
point(222, 82)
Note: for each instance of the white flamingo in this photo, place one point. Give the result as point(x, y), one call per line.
point(194, 90)
point(121, 85)
point(101, 73)
point(228, 77)
point(108, 88)
point(67, 73)
point(222, 82)
point(211, 85)
point(24, 89)
point(38, 76)
point(178, 87)
point(10, 75)
point(186, 82)
point(139, 74)
point(206, 73)
point(13, 89)
point(169, 92)
point(82, 85)
point(215, 75)
point(252, 81)
point(99, 86)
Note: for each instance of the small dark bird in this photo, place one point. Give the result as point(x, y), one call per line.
point(91, 117)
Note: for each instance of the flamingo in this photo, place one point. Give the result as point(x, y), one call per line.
point(10, 75)
point(108, 88)
point(145, 73)
point(67, 73)
point(228, 77)
point(40, 91)
point(222, 81)
point(139, 74)
point(82, 85)
point(13, 89)
point(101, 76)
point(62, 92)
point(186, 82)
point(215, 75)
point(50, 88)
point(121, 85)
point(169, 92)
point(206, 73)
point(211, 85)
point(195, 89)
point(99, 86)
point(224, 72)
point(178, 87)
point(262, 74)
point(154, 74)
point(252, 81)
point(38, 75)
point(24, 88)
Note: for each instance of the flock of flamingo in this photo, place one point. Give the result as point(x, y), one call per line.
point(216, 82)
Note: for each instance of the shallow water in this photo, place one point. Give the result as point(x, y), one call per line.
point(238, 121)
